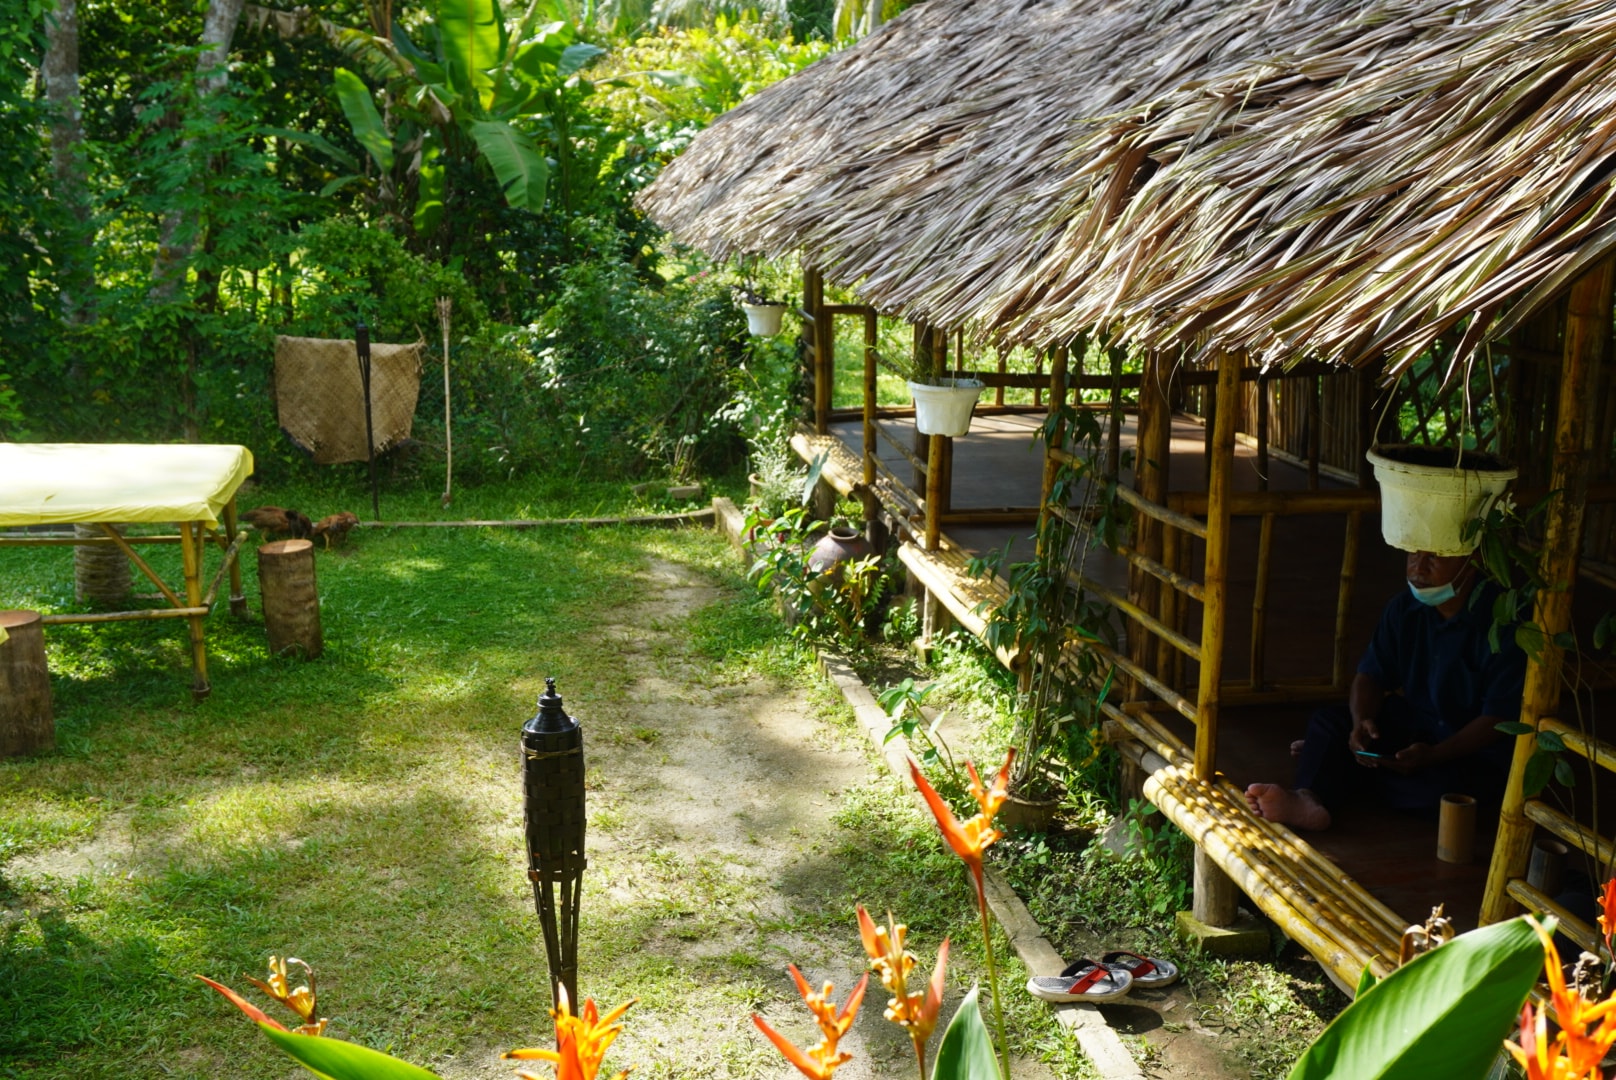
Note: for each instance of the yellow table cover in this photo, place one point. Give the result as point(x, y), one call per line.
point(60, 483)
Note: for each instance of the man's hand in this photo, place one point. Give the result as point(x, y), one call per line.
point(1411, 758)
point(1364, 732)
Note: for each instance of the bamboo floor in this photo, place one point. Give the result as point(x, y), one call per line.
point(1391, 855)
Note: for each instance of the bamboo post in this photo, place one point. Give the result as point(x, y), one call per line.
point(874, 530)
point(1113, 426)
point(1367, 419)
point(1587, 340)
point(238, 601)
point(1057, 397)
point(1314, 417)
point(291, 598)
point(925, 362)
point(1262, 430)
point(1215, 898)
point(1343, 603)
point(1152, 446)
point(1259, 601)
point(1003, 366)
point(27, 724)
point(191, 557)
point(824, 357)
point(445, 307)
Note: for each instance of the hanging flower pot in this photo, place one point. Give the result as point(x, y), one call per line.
point(763, 320)
point(1427, 494)
point(944, 407)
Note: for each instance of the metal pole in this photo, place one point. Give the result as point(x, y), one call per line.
point(362, 346)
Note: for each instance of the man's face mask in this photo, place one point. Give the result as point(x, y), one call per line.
point(1434, 595)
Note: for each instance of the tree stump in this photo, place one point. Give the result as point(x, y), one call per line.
point(101, 573)
point(27, 724)
point(291, 600)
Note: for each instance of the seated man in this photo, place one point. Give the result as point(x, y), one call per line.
point(1423, 708)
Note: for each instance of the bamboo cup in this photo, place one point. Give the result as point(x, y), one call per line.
point(1456, 829)
point(1547, 866)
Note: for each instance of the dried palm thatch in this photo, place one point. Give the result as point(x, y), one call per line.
point(1293, 179)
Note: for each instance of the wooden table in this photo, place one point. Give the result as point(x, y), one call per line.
point(191, 488)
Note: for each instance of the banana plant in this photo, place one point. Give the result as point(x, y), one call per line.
point(475, 86)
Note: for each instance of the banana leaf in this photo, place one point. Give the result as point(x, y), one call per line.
point(357, 106)
point(517, 164)
point(1442, 1016)
point(966, 1052)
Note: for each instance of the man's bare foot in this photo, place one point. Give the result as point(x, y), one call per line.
point(1298, 809)
point(1297, 747)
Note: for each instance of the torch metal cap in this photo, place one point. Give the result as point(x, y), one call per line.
point(550, 717)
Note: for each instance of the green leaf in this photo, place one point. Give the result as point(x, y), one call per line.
point(1513, 727)
point(1565, 639)
point(1442, 1014)
point(536, 60)
point(1550, 741)
point(317, 142)
point(366, 122)
point(1366, 982)
point(966, 1052)
point(343, 1060)
point(1564, 773)
point(333, 186)
point(577, 57)
point(517, 164)
point(1604, 629)
point(1529, 636)
point(1539, 767)
point(471, 33)
point(429, 193)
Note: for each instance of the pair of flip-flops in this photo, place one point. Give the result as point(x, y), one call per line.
point(1113, 976)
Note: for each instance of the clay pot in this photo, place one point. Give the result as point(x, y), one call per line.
point(1033, 815)
point(843, 544)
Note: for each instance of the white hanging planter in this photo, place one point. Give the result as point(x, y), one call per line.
point(1426, 499)
point(763, 320)
point(945, 408)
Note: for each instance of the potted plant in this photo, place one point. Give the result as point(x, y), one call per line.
point(943, 403)
point(1429, 493)
point(1060, 687)
point(763, 315)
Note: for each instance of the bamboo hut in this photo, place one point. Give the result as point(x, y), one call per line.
point(1283, 207)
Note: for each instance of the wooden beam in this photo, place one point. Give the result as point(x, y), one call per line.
point(1587, 341)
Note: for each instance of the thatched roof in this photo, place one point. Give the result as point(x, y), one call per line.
point(1324, 178)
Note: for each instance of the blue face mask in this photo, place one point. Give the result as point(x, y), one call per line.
point(1433, 596)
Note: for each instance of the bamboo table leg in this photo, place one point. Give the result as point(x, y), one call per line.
point(238, 600)
point(191, 552)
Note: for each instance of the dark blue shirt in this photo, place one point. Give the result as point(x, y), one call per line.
point(1445, 668)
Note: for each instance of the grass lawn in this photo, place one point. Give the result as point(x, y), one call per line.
point(363, 811)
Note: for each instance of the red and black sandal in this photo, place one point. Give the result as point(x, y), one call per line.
point(1083, 980)
point(1147, 971)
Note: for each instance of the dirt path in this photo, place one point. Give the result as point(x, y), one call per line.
point(715, 811)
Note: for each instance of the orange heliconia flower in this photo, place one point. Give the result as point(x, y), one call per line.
point(300, 1000)
point(915, 1012)
point(1587, 1029)
point(581, 1041)
point(1607, 917)
point(970, 838)
point(821, 1062)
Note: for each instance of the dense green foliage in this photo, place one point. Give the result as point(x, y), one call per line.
point(359, 161)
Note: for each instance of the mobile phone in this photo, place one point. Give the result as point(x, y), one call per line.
point(1370, 754)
